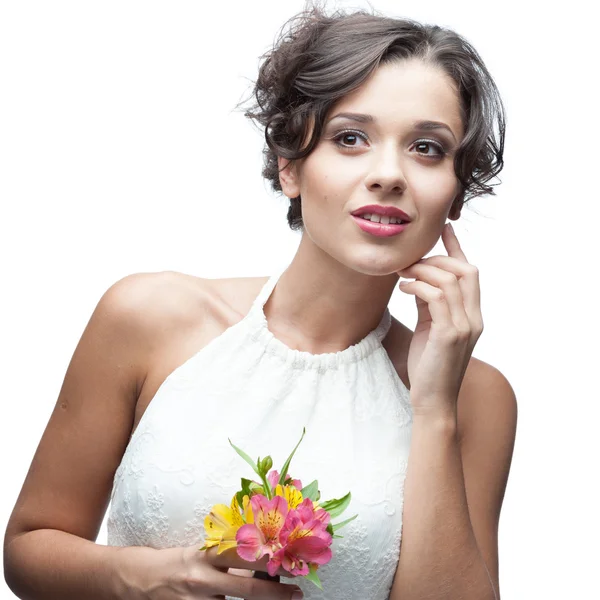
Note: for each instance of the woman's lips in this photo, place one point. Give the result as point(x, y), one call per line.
point(379, 229)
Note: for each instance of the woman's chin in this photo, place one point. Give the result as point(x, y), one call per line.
point(379, 269)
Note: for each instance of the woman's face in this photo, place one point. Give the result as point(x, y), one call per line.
point(386, 161)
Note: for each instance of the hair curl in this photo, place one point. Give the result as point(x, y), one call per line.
point(317, 59)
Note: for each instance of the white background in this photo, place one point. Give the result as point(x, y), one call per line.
point(120, 152)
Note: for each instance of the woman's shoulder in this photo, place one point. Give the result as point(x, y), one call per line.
point(162, 298)
point(175, 311)
point(181, 297)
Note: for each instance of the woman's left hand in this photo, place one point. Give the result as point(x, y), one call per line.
point(446, 290)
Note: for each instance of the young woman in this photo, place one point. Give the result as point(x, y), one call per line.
point(378, 130)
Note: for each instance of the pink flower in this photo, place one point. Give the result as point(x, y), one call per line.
point(254, 540)
point(304, 539)
point(273, 478)
point(295, 556)
point(307, 512)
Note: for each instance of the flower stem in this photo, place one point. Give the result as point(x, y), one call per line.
point(267, 486)
point(266, 576)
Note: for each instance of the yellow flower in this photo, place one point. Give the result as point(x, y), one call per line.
point(221, 526)
point(292, 496)
point(248, 514)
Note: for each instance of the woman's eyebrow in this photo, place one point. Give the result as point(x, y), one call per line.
point(423, 125)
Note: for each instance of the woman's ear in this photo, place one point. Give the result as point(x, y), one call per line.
point(288, 177)
point(455, 210)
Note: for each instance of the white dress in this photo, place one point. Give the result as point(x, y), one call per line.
point(249, 386)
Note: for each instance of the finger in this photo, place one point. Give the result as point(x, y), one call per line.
point(451, 243)
point(468, 279)
point(449, 286)
point(230, 559)
point(435, 299)
point(241, 572)
point(250, 588)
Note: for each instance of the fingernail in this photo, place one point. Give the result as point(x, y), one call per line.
point(297, 594)
point(450, 227)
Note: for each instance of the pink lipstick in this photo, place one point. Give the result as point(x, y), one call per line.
point(380, 229)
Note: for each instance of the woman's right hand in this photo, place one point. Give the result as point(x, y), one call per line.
point(185, 573)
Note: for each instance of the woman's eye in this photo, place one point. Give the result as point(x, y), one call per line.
point(429, 145)
point(348, 139)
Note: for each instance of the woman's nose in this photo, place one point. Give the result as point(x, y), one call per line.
point(386, 173)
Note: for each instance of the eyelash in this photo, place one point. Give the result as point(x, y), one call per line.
point(360, 134)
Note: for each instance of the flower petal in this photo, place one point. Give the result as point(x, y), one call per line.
point(236, 513)
point(293, 564)
point(274, 563)
point(310, 549)
point(322, 515)
point(228, 540)
point(293, 497)
point(273, 478)
point(248, 514)
point(306, 510)
point(269, 515)
point(219, 521)
point(250, 543)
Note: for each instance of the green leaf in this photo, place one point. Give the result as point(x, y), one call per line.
point(246, 458)
point(286, 466)
point(336, 506)
point(246, 483)
point(240, 497)
point(312, 576)
point(340, 525)
point(245, 491)
point(311, 490)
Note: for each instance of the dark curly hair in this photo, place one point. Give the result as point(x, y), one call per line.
point(317, 59)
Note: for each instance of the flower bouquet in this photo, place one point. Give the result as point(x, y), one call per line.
point(277, 517)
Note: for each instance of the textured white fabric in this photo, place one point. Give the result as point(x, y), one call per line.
point(249, 386)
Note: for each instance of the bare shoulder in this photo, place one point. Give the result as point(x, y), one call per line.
point(177, 304)
point(154, 305)
point(487, 426)
point(165, 303)
point(486, 399)
point(137, 312)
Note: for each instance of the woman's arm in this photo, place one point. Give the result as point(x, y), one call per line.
point(49, 550)
point(48, 564)
point(457, 474)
